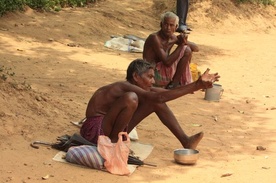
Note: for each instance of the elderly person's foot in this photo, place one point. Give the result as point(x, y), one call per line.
point(194, 140)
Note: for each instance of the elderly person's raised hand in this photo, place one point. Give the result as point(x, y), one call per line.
point(182, 38)
point(207, 79)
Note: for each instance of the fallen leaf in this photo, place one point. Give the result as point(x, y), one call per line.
point(46, 177)
point(260, 148)
point(2, 29)
point(226, 174)
point(215, 118)
point(196, 125)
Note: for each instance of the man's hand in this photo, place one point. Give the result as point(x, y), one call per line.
point(182, 38)
point(207, 79)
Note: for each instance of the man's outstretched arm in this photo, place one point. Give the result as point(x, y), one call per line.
point(205, 81)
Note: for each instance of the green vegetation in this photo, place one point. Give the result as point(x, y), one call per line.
point(264, 2)
point(10, 5)
point(47, 5)
point(5, 73)
point(57, 5)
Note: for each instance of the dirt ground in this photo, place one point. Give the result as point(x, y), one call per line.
point(59, 60)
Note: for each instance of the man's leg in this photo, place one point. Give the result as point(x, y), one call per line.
point(181, 69)
point(168, 119)
point(143, 110)
point(119, 115)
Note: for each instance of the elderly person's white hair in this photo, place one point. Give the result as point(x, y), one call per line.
point(169, 14)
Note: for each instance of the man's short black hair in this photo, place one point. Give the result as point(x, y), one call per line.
point(138, 66)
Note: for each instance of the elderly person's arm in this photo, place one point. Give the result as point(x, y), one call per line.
point(183, 39)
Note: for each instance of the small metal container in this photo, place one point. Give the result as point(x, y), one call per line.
point(186, 156)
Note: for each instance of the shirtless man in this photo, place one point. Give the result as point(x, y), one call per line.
point(172, 69)
point(120, 106)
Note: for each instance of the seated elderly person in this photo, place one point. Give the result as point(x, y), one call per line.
point(172, 69)
point(122, 105)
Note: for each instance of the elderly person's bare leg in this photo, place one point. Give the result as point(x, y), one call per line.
point(183, 63)
point(168, 119)
point(119, 115)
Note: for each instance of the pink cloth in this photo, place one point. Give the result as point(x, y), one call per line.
point(164, 74)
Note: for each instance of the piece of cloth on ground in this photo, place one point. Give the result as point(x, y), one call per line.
point(127, 43)
point(133, 135)
point(85, 155)
point(140, 150)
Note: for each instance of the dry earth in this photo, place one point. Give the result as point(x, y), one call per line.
point(59, 60)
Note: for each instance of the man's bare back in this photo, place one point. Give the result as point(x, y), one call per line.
point(104, 97)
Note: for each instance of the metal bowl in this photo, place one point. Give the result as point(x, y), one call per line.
point(186, 156)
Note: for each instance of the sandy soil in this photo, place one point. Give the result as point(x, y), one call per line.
point(59, 60)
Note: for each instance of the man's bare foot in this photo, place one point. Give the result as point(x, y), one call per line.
point(194, 140)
